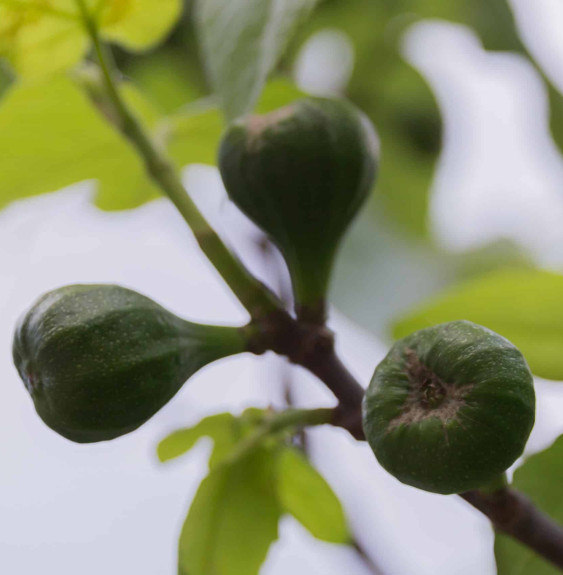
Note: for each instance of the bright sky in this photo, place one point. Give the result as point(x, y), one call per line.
point(110, 508)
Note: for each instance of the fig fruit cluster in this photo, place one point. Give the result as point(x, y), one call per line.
point(450, 408)
point(301, 174)
point(100, 360)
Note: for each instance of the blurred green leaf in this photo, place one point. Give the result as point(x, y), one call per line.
point(305, 494)
point(140, 24)
point(193, 135)
point(168, 77)
point(52, 136)
point(233, 519)
point(277, 93)
point(41, 37)
point(242, 41)
point(220, 428)
point(44, 36)
point(540, 479)
point(525, 306)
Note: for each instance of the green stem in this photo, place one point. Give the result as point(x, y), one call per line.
point(496, 484)
point(285, 420)
point(254, 296)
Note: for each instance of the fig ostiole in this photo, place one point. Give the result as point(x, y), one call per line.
point(100, 360)
point(301, 173)
point(450, 408)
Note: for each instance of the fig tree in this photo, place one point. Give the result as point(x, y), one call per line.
point(301, 173)
point(450, 408)
point(100, 360)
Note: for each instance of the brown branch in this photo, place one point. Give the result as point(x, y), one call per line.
point(509, 511)
point(514, 514)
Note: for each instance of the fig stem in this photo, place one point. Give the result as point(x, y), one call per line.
point(289, 419)
point(254, 296)
point(496, 484)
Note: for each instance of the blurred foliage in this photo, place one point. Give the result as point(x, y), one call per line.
point(37, 122)
point(193, 133)
point(524, 306)
point(42, 37)
point(398, 99)
point(241, 42)
point(540, 479)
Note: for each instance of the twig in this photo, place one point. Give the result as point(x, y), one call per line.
point(514, 514)
point(283, 288)
point(255, 297)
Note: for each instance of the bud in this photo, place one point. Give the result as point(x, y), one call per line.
point(301, 174)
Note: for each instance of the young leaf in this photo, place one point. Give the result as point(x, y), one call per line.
point(242, 41)
point(525, 306)
point(52, 136)
point(45, 36)
point(305, 494)
point(220, 428)
point(233, 519)
point(540, 479)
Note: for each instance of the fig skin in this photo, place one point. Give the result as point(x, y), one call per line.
point(301, 173)
point(100, 360)
point(450, 408)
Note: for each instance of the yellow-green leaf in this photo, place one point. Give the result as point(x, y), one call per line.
point(233, 519)
point(221, 428)
point(139, 24)
point(525, 306)
point(305, 494)
point(41, 37)
point(52, 136)
point(540, 479)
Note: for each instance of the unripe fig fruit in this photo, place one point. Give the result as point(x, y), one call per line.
point(301, 174)
point(100, 360)
point(450, 408)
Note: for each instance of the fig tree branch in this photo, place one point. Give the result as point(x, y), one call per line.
point(310, 346)
point(253, 295)
point(509, 511)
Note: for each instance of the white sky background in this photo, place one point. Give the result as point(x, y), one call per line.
point(110, 508)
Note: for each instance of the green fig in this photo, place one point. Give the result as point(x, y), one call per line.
point(100, 360)
point(301, 174)
point(450, 408)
